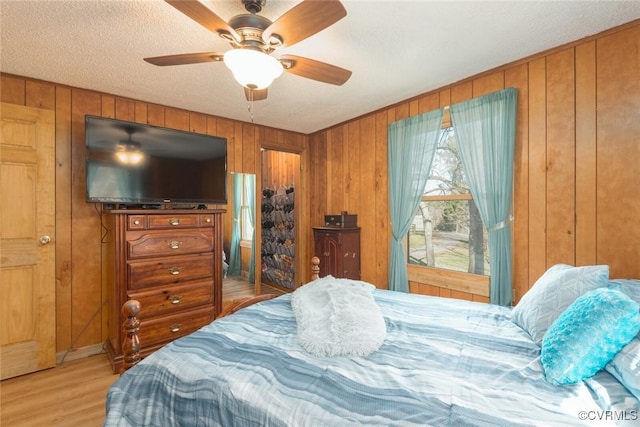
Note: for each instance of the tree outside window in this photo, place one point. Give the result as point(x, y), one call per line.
point(447, 231)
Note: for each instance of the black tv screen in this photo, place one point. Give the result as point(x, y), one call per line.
point(132, 163)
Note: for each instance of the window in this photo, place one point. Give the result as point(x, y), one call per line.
point(447, 231)
point(246, 227)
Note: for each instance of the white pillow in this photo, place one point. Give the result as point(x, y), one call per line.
point(625, 366)
point(552, 293)
point(631, 287)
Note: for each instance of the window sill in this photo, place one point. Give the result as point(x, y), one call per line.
point(449, 279)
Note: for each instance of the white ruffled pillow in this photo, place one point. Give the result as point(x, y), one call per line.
point(338, 317)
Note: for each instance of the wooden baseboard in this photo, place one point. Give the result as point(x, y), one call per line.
point(79, 353)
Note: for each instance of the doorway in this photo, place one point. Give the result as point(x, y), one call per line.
point(280, 172)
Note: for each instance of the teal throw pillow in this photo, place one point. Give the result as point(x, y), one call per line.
point(588, 334)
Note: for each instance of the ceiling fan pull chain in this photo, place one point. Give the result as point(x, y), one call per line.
point(250, 106)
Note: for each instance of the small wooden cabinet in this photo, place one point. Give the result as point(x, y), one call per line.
point(171, 262)
point(338, 250)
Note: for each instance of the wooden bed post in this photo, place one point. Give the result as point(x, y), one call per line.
point(131, 342)
point(315, 268)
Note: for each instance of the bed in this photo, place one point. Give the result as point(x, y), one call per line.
point(443, 362)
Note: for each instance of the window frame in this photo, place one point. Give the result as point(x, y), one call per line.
point(244, 217)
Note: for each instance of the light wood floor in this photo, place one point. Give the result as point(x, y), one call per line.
point(73, 394)
point(236, 287)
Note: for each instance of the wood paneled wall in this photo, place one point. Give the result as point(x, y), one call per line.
point(81, 303)
point(577, 162)
point(279, 168)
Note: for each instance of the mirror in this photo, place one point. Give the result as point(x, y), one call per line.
point(239, 274)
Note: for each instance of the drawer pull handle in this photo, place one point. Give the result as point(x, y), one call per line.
point(174, 221)
point(136, 222)
point(175, 299)
point(174, 271)
point(175, 327)
point(174, 244)
point(326, 254)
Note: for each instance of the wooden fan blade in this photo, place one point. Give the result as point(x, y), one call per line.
point(204, 16)
point(255, 94)
point(304, 20)
point(315, 70)
point(185, 58)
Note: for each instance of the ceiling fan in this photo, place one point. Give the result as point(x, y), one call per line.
point(254, 37)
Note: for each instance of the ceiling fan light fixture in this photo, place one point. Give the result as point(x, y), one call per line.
point(131, 157)
point(251, 68)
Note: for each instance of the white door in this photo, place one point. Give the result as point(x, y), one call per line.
point(27, 240)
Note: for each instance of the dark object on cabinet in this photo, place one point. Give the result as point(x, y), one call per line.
point(338, 250)
point(343, 220)
point(171, 262)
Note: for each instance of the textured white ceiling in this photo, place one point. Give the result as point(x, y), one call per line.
point(396, 50)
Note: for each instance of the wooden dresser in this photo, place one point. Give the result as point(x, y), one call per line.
point(339, 251)
point(168, 260)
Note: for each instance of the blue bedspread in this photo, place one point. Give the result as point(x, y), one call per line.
point(444, 362)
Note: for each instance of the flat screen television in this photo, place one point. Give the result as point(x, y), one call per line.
point(136, 164)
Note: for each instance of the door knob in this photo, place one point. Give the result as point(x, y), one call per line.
point(45, 239)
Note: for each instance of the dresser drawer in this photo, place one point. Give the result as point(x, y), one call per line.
point(168, 328)
point(136, 222)
point(173, 221)
point(163, 243)
point(166, 270)
point(150, 222)
point(168, 299)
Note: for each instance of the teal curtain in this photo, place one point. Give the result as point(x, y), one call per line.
point(486, 129)
point(250, 187)
point(235, 262)
point(411, 146)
